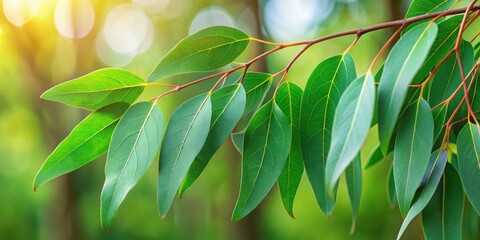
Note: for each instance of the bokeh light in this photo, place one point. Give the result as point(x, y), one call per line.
point(152, 6)
point(211, 16)
point(19, 12)
point(74, 19)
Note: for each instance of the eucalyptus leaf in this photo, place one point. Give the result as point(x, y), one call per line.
point(353, 175)
point(374, 157)
point(442, 217)
point(289, 100)
point(352, 121)
point(228, 104)
point(402, 64)
point(420, 7)
point(433, 176)
point(266, 146)
point(205, 50)
point(256, 86)
point(185, 136)
point(135, 142)
point(98, 89)
point(391, 194)
point(87, 141)
point(321, 96)
point(468, 147)
point(237, 140)
point(412, 152)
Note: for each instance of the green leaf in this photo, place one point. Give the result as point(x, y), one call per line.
point(228, 104)
point(442, 217)
point(98, 89)
point(412, 150)
point(265, 151)
point(439, 114)
point(421, 7)
point(289, 100)
point(391, 194)
point(468, 147)
point(438, 161)
point(444, 42)
point(402, 64)
point(321, 96)
point(135, 142)
point(203, 51)
point(374, 157)
point(237, 140)
point(87, 141)
point(353, 175)
point(256, 87)
point(186, 133)
point(352, 121)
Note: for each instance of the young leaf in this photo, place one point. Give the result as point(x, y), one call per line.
point(205, 50)
point(256, 87)
point(401, 66)
point(433, 176)
point(87, 141)
point(353, 175)
point(289, 99)
point(186, 133)
point(320, 98)
point(135, 142)
point(446, 37)
point(352, 121)
point(265, 151)
point(98, 89)
point(468, 144)
point(420, 7)
point(442, 217)
point(228, 104)
point(412, 150)
point(237, 140)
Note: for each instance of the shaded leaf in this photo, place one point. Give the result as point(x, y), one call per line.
point(468, 144)
point(421, 7)
point(439, 160)
point(256, 87)
point(135, 142)
point(289, 99)
point(265, 151)
point(353, 175)
point(203, 51)
point(352, 121)
point(237, 140)
point(87, 141)
point(321, 96)
point(442, 217)
point(391, 194)
point(412, 150)
point(374, 157)
point(228, 104)
point(98, 89)
point(402, 64)
point(185, 136)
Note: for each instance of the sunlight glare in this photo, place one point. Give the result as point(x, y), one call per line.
point(19, 12)
point(74, 19)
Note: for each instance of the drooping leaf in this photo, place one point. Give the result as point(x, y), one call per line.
point(256, 87)
point(421, 7)
point(87, 141)
point(442, 217)
point(203, 51)
point(412, 150)
point(135, 142)
point(468, 144)
point(228, 104)
point(237, 140)
point(402, 64)
point(98, 89)
point(289, 99)
point(374, 157)
point(321, 96)
point(444, 42)
point(391, 194)
point(265, 150)
point(185, 136)
point(434, 175)
point(352, 121)
point(353, 175)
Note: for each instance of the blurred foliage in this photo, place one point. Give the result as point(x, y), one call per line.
point(41, 44)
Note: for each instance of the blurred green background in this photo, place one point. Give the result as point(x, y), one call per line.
point(45, 42)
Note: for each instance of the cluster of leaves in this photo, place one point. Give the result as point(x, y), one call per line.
point(424, 123)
